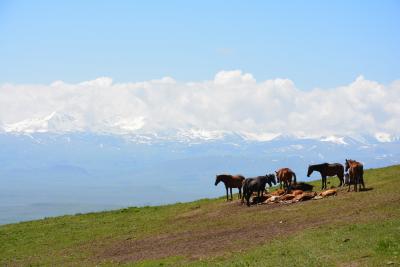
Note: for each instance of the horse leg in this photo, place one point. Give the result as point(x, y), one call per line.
point(227, 195)
point(240, 192)
point(340, 180)
point(248, 194)
point(362, 181)
point(355, 183)
point(348, 190)
point(231, 193)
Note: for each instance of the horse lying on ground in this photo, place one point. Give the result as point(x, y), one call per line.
point(256, 184)
point(356, 173)
point(326, 170)
point(230, 181)
point(302, 186)
point(284, 176)
point(327, 193)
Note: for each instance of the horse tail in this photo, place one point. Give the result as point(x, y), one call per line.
point(294, 178)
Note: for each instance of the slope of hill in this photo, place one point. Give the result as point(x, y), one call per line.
point(351, 229)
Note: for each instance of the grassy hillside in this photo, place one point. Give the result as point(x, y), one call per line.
point(351, 229)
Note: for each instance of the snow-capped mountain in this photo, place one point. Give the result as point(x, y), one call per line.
point(54, 122)
point(37, 146)
point(59, 139)
point(134, 129)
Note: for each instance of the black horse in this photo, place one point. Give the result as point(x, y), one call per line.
point(327, 169)
point(256, 184)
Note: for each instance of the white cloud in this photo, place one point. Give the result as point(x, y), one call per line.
point(232, 101)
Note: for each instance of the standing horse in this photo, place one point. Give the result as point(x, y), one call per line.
point(356, 173)
point(285, 175)
point(256, 184)
point(326, 169)
point(230, 181)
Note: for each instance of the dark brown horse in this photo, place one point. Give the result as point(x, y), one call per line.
point(356, 173)
point(326, 170)
point(230, 181)
point(285, 176)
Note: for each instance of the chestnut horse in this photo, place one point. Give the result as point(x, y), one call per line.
point(356, 173)
point(230, 181)
point(326, 169)
point(285, 175)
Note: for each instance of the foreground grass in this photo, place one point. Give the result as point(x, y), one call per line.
point(355, 229)
point(373, 244)
point(370, 244)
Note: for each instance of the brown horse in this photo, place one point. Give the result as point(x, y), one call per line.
point(285, 175)
point(230, 181)
point(356, 173)
point(326, 170)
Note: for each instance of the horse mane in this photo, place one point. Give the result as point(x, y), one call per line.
point(224, 175)
point(318, 165)
point(353, 162)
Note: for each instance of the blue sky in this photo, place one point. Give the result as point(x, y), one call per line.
point(313, 43)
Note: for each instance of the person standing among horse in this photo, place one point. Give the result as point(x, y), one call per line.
point(230, 181)
point(326, 170)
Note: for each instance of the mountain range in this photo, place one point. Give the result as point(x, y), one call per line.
point(50, 166)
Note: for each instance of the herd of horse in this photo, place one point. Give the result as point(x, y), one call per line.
point(353, 171)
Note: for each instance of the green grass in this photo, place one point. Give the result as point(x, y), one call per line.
point(355, 229)
point(370, 244)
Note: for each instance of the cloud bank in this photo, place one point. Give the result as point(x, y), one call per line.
point(232, 101)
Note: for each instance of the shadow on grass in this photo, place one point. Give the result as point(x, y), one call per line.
point(367, 189)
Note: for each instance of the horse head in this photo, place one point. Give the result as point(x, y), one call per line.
point(277, 176)
point(310, 170)
point(217, 179)
point(271, 179)
point(347, 164)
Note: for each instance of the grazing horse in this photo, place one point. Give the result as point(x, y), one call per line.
point(256, 184)
point(326, 169)
point(230, 181)
point(284, 176)
point(356, 173)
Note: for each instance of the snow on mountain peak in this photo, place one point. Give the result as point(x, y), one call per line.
point(125, 125)
point(55, 121)
point(199, 134)
point(262, 137)
point(334, 139)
